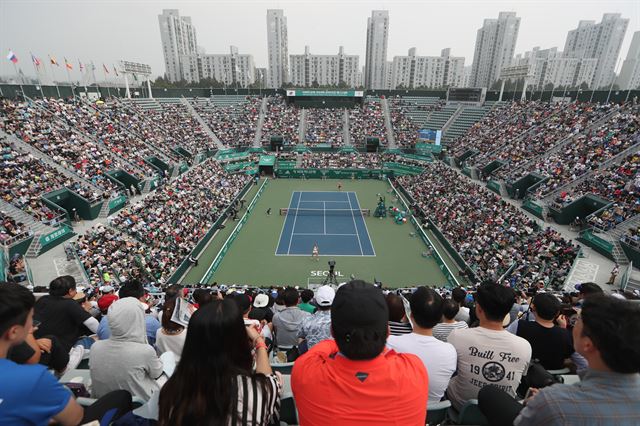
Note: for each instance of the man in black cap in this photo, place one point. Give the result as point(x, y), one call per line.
point(353, 379)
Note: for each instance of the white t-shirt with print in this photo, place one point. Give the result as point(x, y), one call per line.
point(486, 357)
point(438, 357)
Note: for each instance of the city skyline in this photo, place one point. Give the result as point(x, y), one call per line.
point(318, 33)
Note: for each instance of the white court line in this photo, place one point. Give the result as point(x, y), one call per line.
point(284, 222)
point(307, 233)
point(324, 215)
point(295, 218)
point(365, 227)
point(355, 226)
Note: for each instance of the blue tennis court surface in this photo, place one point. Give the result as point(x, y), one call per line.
point(331, 219)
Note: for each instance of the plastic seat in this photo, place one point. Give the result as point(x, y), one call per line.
point(469, 414)
point(283, 368)
point(288, 409)
point(437, 412)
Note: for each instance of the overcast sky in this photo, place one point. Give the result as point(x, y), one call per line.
point(107, 31)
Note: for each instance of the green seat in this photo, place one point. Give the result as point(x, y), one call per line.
point(283, 368)
point(437, 412)
point(469, 414)
point(288, 410)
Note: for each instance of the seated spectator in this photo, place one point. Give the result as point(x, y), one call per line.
point(305, 296)
point(132, 288)
point(488, 354)
point(459, 295)
point(449, 312)
point(125, 360)
point(201, 297)
point(398, 322)
point(171, 336)
point(353, 380)
point(261, 307)
point(215, 383)
point(551, 344)
point(317, 327)
point(286, 323)
point(61, 316)
point(607, 335)
point(439, 358)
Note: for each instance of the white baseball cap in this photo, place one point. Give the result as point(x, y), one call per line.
point(261, 301)
point(325, 295)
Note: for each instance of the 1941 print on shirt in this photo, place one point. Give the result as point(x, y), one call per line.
point(493, 370)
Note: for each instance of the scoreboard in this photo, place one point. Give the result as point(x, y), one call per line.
point(467, 94)
point(430, 136)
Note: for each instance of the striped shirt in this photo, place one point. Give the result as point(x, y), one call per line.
point(399, 328)
point(442, 330)
point(254, 405)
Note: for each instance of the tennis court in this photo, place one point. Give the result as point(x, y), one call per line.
point(331, 219)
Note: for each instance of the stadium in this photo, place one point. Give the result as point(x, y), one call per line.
point(320, 244)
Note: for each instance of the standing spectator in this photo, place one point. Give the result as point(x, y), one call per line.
point(488, 354)
point(607, 335)
point(614, 274)
point(317, 327)
point(398, 322)
point(61, 316)
point(353, 379)
point(215, 382)
point(132, 288)
point(438, 357)
point(551, 344)
point(306, 297)
point(287, 322)
point(449, 312)
point(459, 295)
point(125, 360)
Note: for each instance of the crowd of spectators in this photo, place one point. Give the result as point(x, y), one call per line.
point(11, 230)
point(234, 125)
point(164, 227)
point(572, 119)
point(346, 366)
point(405, 130)
point(325, 160)
point(489, 233)
point(324, 126)
point(24, 179)
point(41, 129)
point(502, 125)
point(281, 119)
point(367, 121)
point(586, 152)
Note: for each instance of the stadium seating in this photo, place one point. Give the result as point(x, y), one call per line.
point(367, 121)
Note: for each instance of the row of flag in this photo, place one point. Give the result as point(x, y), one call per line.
point(37, 62)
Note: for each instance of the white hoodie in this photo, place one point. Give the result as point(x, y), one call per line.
point(125, 360)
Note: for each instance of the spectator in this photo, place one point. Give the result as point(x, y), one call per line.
point(261, 306)
point(488, 354)
point(171, 336)
point(62, 317)
point(132, 288)
point(439, 358)
point(459, 295)
point(551, 344)
point(450, 311)
point(398, 322)
point(317, 327)
point(201, 297)
point(215, 382)
point(29, 394)
point(353, 380)
point(607, 335)
point(125, 360)
point(286, 323)
point(306, 295)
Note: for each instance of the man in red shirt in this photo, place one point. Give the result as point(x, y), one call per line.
point(354, 380)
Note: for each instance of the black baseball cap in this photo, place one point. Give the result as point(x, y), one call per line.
point(589, 288)
point(359, 306)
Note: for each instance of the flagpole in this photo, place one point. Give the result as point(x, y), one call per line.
point(104, 71)
point(15, 68)
point(66, 66)
point(53, 77)
point(35, 68)
point(93, 73)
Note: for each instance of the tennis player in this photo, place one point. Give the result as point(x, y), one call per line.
point(315, 253)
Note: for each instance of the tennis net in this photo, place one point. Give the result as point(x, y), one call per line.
point(325, 212)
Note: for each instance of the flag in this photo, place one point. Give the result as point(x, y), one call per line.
point(36, 61)
point(135, 77)
point(115, 70)
point(53, 61)
point(67, 64)
point(81, 66)
point(104, 67)
point(93, 67)
point(12, 57)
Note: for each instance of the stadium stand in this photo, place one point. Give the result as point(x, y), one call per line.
point(324, 126)
point(232, 120)
point(367, 122)
point(281, 120)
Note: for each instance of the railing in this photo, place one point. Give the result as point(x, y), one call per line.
point(626, 276)
point(17, 238)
